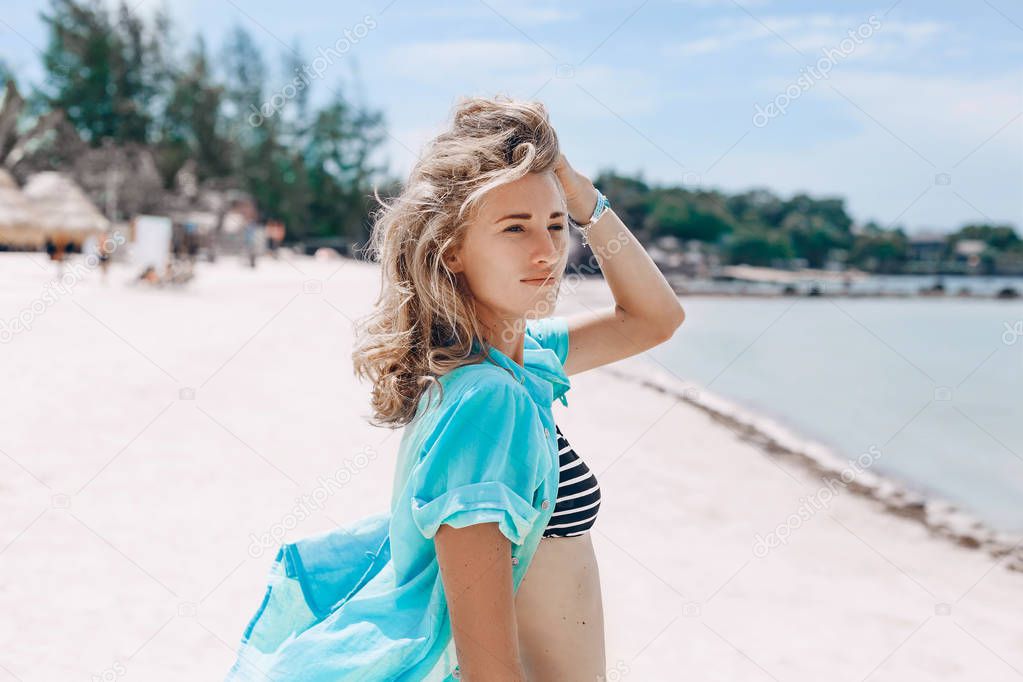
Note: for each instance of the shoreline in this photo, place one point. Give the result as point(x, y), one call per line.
point(682, 293)
point(942, 518)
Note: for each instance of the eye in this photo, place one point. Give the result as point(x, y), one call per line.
point(557, 226)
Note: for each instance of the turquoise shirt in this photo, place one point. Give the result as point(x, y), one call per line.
point(366, 601)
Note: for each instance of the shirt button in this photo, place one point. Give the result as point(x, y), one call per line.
point(545, 504)
point(456, 673)
point(515, 561)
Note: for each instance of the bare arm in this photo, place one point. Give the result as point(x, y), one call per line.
point(475, 566)
point(646, 312)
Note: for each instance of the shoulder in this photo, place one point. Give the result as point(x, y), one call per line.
point(486, 428)
point(476, 388)
point(482, 384)
point(550, 333)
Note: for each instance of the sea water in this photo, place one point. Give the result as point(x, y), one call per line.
point(934, 385)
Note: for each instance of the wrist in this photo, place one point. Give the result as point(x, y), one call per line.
point(602, 206)
point(582, 209)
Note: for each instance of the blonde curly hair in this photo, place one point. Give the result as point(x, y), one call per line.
point(423, 323)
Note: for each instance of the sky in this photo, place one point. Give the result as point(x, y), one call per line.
point(911, 111)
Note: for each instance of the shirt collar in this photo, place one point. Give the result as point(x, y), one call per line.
point(541, 372)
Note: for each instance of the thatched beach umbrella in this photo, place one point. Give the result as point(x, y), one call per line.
point(63, 212)
point(17, 216)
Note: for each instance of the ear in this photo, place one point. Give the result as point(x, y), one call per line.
point(453, 260)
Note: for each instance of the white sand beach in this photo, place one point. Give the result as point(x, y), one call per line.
point(158, 444)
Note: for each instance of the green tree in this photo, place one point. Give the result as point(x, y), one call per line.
point(678, 213)
point(760, 248)
point(815, 227)
point(338, 148)
point(880, 250)
point(104, 74)
point(250, 122)
point(997, 236)
point(192, 122)
point(757, 207)
point(629, 196)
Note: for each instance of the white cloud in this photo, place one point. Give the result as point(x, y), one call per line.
point(524, 13)
point(810, 33)
point(723, 3)
point(700, 46)
point(441, 61)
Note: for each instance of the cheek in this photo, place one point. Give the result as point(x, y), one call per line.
point(493, 270)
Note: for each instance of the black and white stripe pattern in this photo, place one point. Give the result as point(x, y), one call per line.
point(578, 494)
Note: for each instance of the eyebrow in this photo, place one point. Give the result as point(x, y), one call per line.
point(526, 216)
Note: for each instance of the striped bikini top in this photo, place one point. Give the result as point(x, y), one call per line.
point(578, 494)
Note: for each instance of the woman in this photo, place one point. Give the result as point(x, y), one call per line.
point(462, 352)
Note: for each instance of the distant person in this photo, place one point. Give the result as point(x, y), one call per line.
point(252, 232)
point(275, 235)
point(191, 242)
point(149, 275)
point(104, 260)
point(58, 254)
point(251, 243)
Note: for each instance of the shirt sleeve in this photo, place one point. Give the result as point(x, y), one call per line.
point(551, 332)
point(480, 465)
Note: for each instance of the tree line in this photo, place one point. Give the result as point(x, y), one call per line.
point(758, 227)
point(120, 80)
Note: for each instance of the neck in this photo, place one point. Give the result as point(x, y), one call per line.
point(513, 348)
point(506, 335)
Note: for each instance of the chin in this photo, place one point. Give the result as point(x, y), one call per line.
point(542, 308)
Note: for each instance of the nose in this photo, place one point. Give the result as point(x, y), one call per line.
point(546, 249)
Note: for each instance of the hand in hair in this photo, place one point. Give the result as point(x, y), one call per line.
point(580, 194)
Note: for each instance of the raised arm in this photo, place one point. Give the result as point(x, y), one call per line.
point(475, 566)
point(646, 312)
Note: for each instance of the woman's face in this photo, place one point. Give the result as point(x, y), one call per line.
point(514, 252)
